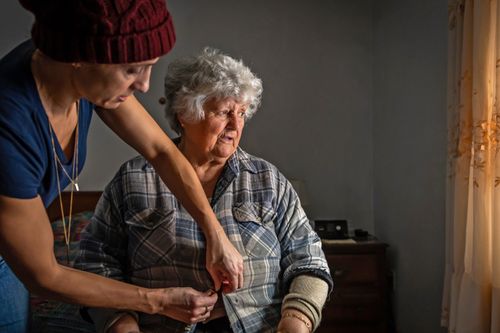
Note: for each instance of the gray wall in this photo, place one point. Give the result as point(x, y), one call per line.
point(409, 127)
point(315, 119)
point(354, 106)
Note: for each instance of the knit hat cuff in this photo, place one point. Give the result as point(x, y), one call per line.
point(66, 46)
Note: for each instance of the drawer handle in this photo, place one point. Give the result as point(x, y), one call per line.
point(339, 273)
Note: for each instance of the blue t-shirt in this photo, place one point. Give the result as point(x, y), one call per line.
point(27, 166)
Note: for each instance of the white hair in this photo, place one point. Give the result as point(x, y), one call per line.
point(191, 81)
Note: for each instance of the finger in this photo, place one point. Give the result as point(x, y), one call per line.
point(204, 314)
point(217, 280)
point(206, 308)
point(212, 299)
point(207, 298)
point(240, 280)
point(210, 292)
point(205, 317)
point(211, 295)
point(231, 283)
point(199, 314)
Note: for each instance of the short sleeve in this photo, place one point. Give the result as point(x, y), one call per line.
point(23, 154)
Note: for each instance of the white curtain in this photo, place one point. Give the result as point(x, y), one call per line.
point(471, 296)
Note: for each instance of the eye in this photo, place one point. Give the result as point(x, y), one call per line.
point(135, 70)
point(222, 113)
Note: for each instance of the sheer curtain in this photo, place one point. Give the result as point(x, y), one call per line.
point(471, 296)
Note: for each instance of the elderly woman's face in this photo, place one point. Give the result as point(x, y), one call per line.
point(220, 132)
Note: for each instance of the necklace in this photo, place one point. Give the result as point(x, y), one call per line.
point(73, 179)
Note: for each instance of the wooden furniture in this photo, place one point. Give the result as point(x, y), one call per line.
point(82, 201)
point(359, 302)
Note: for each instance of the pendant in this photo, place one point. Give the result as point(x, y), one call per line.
point(76, 186)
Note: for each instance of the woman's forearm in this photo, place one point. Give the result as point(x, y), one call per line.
point(88, 289)
point(26, 243)
point(179, 175)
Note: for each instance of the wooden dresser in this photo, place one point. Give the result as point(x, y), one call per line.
point(359, 302)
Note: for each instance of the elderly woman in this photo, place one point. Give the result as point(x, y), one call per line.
point(142, 234)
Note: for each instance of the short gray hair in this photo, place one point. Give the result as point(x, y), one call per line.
point(191, 81)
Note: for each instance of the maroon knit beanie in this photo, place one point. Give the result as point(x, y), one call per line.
point(101, 31)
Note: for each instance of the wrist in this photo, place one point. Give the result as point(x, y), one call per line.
point(155, 301)
point(214, 232)
point(297, 316)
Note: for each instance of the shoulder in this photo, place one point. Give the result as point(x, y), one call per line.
point(18, 95)
point(257, 167)
point(15, 67)
point(264, 175)
point(133, 173)
point(130, 172)
point(135, 164)
point(253, 164)
point(22, 118)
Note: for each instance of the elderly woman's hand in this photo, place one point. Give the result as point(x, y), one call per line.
point(187, 304)
point(224, 262)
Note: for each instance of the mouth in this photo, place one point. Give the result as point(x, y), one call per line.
point(122, 98)
point(225, 138)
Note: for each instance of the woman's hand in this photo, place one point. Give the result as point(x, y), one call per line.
point(290, 322)
point(187, 304)
point(126, 324)
point(224, 262)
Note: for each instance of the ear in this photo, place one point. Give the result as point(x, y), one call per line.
point(179, 120)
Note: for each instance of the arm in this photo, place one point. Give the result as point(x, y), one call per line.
point(136, 127)
point(301, 251)
point(26, 243)
point(294, 321)
point(188, 305)
point(305, 268)
point(303, 304)
point(189, 309)
point(105, 246)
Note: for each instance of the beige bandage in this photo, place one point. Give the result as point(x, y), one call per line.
point(307, 294)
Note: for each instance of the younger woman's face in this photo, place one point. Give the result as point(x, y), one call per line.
point(108, 85)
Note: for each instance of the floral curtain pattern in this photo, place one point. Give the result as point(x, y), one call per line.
point(471, 295)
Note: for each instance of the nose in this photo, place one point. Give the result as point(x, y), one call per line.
point(142, 81)
point(234, 121)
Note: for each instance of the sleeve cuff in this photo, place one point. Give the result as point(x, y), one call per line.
point(105, 318)
point(307, 294)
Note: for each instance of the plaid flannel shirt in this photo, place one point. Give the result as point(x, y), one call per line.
point(141, 234)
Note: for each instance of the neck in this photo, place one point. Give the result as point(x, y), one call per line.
point(58, 98)
point(56, 91)
point(200, 159)
point(207, 168)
